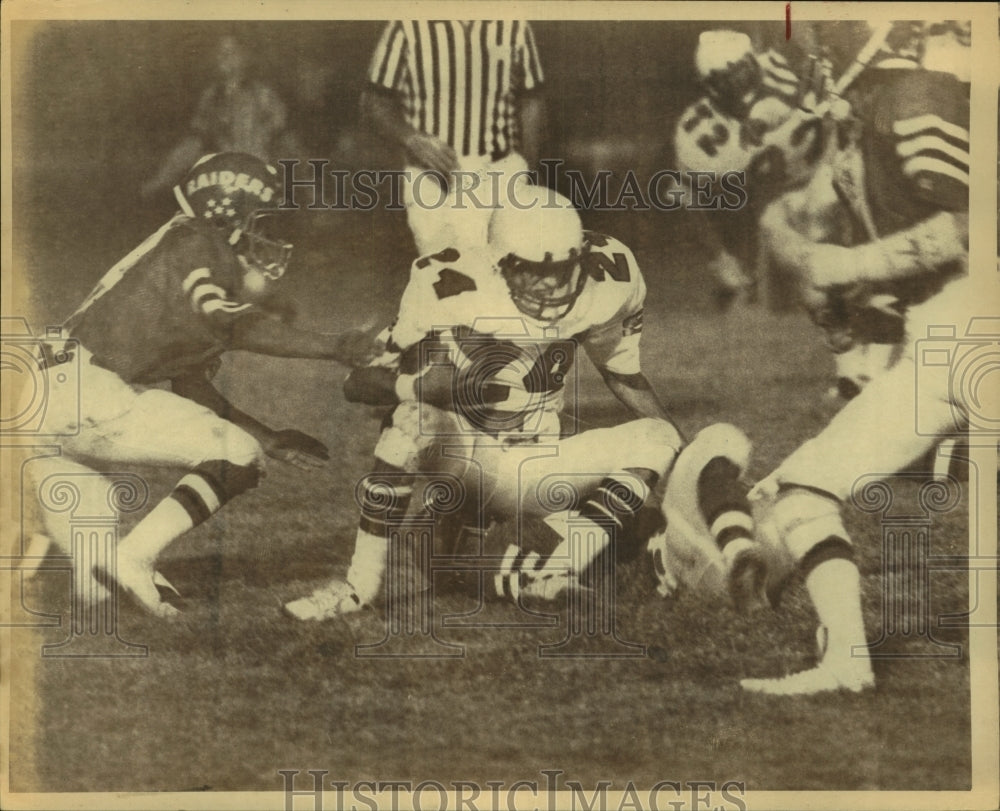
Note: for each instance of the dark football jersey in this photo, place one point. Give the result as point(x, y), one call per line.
point(167, 308)
point(916, 146)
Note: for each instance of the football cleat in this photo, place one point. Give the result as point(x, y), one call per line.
point(335, 599)
point(667, 581)
point(139, 583)
point(549, 587)
point(824, 678)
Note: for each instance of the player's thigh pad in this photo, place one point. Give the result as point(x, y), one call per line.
point(533, 478)
point(163, 428)
point(874, 434)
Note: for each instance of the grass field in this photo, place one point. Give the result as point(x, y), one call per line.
point(233, 691)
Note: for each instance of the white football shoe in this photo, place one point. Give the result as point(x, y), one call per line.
point(667, 580)
point(823, 678)
point(139, 581)
point(853, 674)
point(335, 599)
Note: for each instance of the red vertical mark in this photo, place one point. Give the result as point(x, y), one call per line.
point(788, 20)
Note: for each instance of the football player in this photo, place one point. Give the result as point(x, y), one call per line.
point(917, 196)
point(483, 348)
point(756, 117)
point(903, 159)
point(165, 314)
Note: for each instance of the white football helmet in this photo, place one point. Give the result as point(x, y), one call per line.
point(728, 68)
point(536, 244)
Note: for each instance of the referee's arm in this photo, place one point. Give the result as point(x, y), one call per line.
point(382, 110)
point(533, 120)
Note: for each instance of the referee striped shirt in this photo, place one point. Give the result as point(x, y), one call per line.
point(459, 79)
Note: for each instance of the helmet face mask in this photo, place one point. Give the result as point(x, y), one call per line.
point(734, 87)
point(238, 194)
point(538, 248)
point(261, 249)
point(545, 290)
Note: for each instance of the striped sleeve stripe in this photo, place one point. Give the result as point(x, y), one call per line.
point(923, 144)
point(194, 277)
point(532, 65)
point(923, 163)
point(223, 305)
point(929, 121)
point(387, 60)
point(205, 291)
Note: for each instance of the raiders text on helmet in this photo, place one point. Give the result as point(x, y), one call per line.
point(239, 194)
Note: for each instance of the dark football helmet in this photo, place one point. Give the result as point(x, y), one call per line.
point(239, 194)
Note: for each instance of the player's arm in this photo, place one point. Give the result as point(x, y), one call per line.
point(291, 446)
point(528, 78)
point(636, 393)
point(269, 336)
point(930, 243)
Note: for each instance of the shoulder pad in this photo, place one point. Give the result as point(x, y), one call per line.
point(608, 258)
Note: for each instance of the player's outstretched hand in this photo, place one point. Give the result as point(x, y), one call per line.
point(296, 448)
point(359, 347)
point(432, 153)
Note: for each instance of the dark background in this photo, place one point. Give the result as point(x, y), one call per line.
point(98, 104)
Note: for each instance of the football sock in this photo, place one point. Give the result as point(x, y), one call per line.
point(722, 500)
point(168, 520)
point(611, 509)
point(834, 585)
point(385, 499)
point(198, 496)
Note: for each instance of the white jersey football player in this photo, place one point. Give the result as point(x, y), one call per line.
point(755, 118)
point(483, 348)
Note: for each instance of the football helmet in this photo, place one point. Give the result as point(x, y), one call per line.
point(239, 194)
point(728, 69)
point(537, 246)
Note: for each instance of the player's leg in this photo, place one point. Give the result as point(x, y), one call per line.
point(161, 428)
point(804, 497)
point(609, 472)
point(708, 542)
point(384, 496)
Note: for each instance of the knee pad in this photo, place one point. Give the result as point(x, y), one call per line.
point(413, 429)
point(228, 480)
point(651, 444)
point(805, 520)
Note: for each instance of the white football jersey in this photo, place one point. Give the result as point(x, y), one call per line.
point(775, 142)
point(464, 304)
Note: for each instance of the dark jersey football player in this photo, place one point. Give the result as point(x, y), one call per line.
point(165, 314)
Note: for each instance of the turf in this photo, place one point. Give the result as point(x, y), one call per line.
point(234, 691)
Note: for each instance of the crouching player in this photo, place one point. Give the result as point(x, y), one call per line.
point(165, 313)
point(480, 355)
